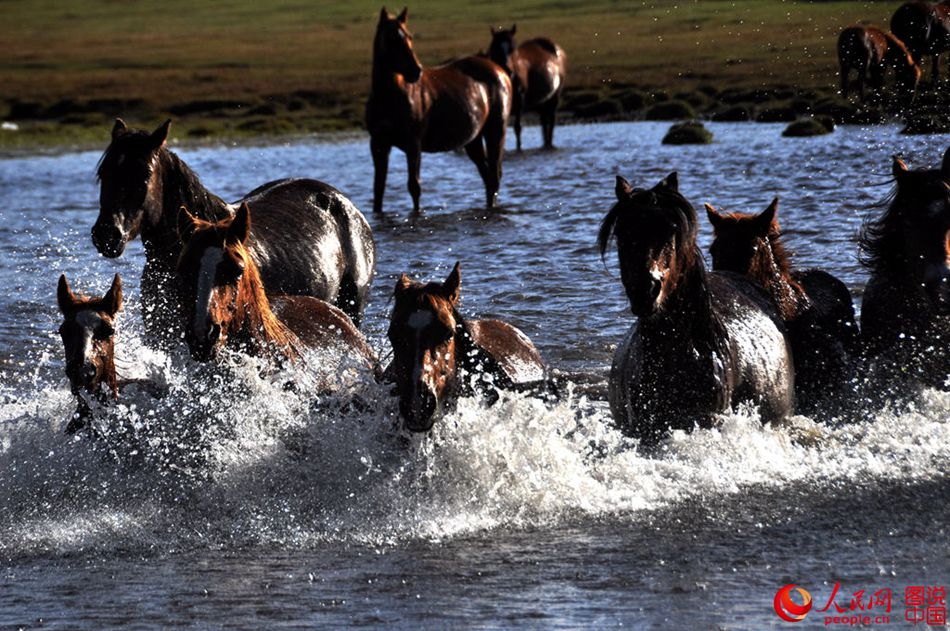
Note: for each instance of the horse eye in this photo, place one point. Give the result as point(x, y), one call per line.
point(104, 332)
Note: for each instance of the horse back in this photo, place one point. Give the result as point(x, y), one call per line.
point(509, 347)
point(321, 326)
point(830, 299)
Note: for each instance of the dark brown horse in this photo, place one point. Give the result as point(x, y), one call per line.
point(925, 29)
point(905, 315)
point(538, 69)
point(815, 306)
point(464, 103)
point(703, 342)
point(226, 303)
point(88, 333)
point(438, 355)
point(310, 239)
point(870, 51)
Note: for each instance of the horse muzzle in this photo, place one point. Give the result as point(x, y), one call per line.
point(109, 240)
point(204, 348)
point(419, 412)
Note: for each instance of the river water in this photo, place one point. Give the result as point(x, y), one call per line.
point(244, 505)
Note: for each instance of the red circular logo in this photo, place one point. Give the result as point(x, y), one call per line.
point(787, 609)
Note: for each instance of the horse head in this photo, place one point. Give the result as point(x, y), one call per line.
point(502, 47)
point(88, 333)
point(220, 281)
point(129, 191)
point(921, 216)
point(393, 45)
point(655, 231)
point(740, 236)
point(422, 331)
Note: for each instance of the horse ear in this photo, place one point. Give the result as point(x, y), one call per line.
point(160, 135)
point(714, 217)
point(119, 128)
point(186, 224)
point(452, 287)
point(113, 298)
point(671, 182)
point(945, 167)
point(622, 188)
point(765, 219)
point(64, 295)
point(240, 228)
point(383, 15)
point(402, 284)
point(403, 17)
point(899, 167)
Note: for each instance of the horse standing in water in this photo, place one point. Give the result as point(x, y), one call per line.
point(309, 238)
point(464, 103)
point(871, 51)
point(438, 355)
point(905, 314)
point(703, 342)
point(925, 29)
point(538, 68)
point(226, 303)
point(814, 305)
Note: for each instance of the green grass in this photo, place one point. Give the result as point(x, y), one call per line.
point(172, 52)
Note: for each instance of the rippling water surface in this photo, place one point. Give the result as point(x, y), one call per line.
point(234, 502)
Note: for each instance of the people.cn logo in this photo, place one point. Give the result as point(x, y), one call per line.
point(787, 609)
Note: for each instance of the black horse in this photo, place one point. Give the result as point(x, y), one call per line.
point(905, 315)
point(925, 30)
point(703, 342)
point(309, 239)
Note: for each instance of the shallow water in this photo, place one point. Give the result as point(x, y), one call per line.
point(233, 502)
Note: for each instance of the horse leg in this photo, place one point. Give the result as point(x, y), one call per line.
point(380, 151)
point(349, 300)
point(476, 153)
point(516, 107)
point(413, 164)
point(494, 133)
point(862, 75)
point(844, 81)
point(548, 117)
point(936, 70)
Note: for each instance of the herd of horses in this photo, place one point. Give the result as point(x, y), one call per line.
point(918, 29)
point(286, 270)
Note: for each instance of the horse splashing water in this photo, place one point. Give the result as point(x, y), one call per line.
point(438, 355)
point(538, 69)
point(703, 342)
point(226, 304)
point(870, 51)
point(815, 306)
point(310, 239)
point(905, 314)
point(464, 103)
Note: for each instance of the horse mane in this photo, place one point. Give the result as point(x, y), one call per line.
point(641, 199)
point(878, 243)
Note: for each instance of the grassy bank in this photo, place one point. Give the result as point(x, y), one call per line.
point(252, 67)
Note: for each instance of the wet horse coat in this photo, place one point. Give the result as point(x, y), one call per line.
point(464, 103)
point(309, 238)
point(703, 342)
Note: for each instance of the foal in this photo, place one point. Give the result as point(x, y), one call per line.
point(88, 333)
point(703, 342)
point(815, 306)
point(439, 356)
point(226, 303)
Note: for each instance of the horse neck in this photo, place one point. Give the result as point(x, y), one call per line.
point(258, 323)
point(770, 269)
point(180, 186)
point(688, 309)
point(384, 79)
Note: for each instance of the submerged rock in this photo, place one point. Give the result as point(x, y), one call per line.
point(811, 126)
point(691, 133)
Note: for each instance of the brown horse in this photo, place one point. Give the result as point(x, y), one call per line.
point(870, 51)
point(310, 239)
point(905, 314)
point(226, 303)
point(703, 342)
point(815, 306)
point(88, 333)
point(925, 29)
point(538, 69)
point(438, 355)
point(464, 103)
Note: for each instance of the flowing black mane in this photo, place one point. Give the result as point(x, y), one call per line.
point(646, 199)
point(878, 241)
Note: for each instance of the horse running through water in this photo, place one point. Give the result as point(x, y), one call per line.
point(870, 51)
point(538, 68)
point(226, 303)
point(815, 306)
point(438, 355)
point(88, 334)
point(309, 238)
point(464, 103)
point(905, 314)
point(703, 342)
point(925, 29)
